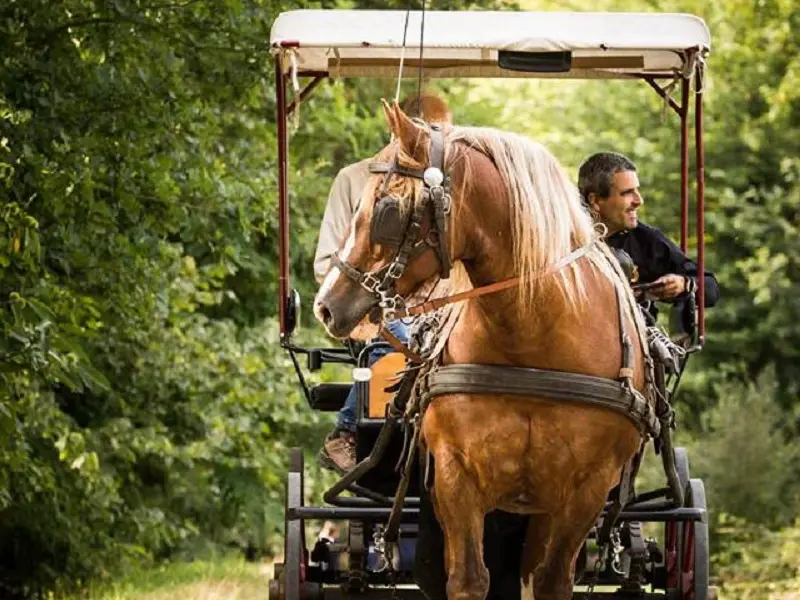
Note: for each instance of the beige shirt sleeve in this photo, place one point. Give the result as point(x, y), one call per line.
point(342, 204)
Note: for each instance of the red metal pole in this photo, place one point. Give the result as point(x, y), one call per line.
point(701, 173)
point(684, 113)
point(283, 200)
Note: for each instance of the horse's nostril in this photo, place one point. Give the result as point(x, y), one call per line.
point(326, 315)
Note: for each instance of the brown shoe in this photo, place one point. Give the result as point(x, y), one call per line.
point(338, 452)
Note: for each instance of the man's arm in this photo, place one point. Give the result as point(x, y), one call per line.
point(681, 273)
point(335, 221)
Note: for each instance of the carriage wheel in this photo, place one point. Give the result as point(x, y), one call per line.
point(294, 550)
point(674, 529)
point(695, 548)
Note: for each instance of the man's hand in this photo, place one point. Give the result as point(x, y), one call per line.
point(668, 287)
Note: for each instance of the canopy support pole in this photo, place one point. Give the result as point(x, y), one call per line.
point(283, 200)
point(663, 93)
point(701, 173)
point(684, 112)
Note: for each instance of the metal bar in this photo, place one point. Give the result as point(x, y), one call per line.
point(382, 513)
point(615, 594)
point(664, 516)
point(672, 104)
point(660, 493)
point(373, 593)
point(335, 512)
point(283, 198)
point(651, 505)
point(303, 94)
point(701, 204)
point(294, 528)
point(356, 502)
point(684, 163)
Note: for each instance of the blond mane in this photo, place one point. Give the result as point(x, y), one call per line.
point(549, 219)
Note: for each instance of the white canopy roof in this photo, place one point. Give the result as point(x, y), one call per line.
point(369, 43)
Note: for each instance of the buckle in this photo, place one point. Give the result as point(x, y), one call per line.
point(396, 270)
point(370, 282)
point(390, 304)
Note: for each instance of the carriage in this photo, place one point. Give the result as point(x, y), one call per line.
point(381, 501)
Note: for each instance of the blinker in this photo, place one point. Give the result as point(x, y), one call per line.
point(388, 222)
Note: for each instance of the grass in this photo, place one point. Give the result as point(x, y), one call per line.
point(229, 578)
point(232, 578)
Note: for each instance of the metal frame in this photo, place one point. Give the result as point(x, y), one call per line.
point(283, 111)
point(363, 505)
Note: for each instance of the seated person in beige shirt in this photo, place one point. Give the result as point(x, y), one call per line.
point(339, 450)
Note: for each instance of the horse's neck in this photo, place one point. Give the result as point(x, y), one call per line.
point(498, 329)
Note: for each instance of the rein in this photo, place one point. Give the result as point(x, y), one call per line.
point(490, 288)
point(436, 195)
point(437, 303)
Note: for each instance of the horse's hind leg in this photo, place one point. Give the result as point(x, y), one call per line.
point(460, 510)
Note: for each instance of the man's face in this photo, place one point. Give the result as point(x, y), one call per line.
point(618, 211)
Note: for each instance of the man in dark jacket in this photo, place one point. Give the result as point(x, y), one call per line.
point(609, 185)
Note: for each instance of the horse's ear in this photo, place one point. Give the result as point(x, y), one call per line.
point(390, 117)
point(410, 134)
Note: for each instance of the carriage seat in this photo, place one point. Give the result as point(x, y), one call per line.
point(330, 397)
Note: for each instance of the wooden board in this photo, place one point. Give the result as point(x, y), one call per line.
point(384, 374)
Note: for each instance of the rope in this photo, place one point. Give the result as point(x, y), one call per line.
point(421, 47)
point(402, 57)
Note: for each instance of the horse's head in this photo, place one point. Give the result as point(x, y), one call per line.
point(397, 237)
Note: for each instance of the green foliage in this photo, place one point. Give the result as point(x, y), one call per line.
point(748, 457)
point(145, 409)
point(145, 406)
point(754, 562)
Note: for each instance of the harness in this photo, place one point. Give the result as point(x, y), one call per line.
point(425, 377)
point(402, 230)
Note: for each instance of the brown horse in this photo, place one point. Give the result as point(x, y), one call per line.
point(514, 212)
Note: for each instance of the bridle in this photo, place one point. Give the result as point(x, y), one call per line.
point(435, 197)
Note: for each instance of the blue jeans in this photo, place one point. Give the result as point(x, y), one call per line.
point(348, 418)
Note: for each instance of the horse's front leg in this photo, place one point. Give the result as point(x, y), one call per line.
point(554, 577)
point(460, 511)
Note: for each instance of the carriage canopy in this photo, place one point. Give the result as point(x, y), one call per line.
point(370, 43)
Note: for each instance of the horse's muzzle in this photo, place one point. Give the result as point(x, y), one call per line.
point(341, 313)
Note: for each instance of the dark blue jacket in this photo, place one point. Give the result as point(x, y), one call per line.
point(655, 255)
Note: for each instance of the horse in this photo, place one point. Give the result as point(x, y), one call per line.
point(512, 214)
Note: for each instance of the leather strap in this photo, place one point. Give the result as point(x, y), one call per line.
point(400, 346)
point(626, 369)
point(491, 288)
point(383, 167)
point(441, 202)
point(556, 385)
point(437, 149)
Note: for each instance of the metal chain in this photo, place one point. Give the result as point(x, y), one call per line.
point(595, 575)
